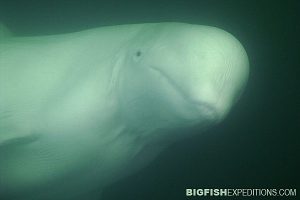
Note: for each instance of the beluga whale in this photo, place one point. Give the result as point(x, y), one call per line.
point(81, 110)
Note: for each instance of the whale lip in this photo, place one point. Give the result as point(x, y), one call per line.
point(207, 110)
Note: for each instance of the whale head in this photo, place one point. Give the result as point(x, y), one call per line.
point(179, 74)
point(65, 141)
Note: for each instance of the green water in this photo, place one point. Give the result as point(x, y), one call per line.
point(257, 145)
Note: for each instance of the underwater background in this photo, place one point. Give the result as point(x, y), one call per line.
point(257, 145)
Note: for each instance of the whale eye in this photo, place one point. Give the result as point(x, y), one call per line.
point(138, 53)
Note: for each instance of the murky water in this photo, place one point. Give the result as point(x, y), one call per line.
point(255, 147)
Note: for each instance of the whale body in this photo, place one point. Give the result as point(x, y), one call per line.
point(81, 110)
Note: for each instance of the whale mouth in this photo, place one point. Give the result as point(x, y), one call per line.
point(207, 110)
point(202, 109)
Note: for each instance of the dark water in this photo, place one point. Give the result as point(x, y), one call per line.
point(257, 146)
